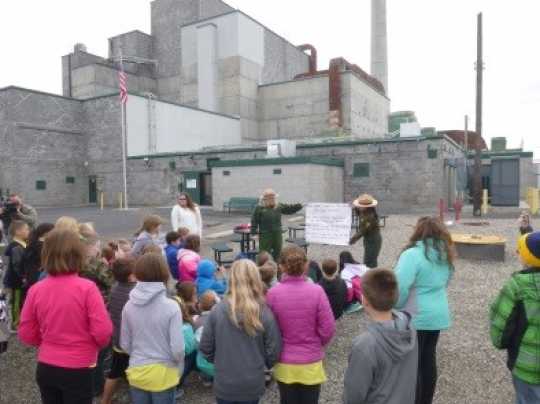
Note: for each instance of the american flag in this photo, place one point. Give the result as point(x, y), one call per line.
point(122, 79)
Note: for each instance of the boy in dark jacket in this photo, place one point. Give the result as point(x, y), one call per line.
point(173, 240)
point(334, 287)
point(13, 280)
point(515, 324)
point(383, 363)
point(122, 270)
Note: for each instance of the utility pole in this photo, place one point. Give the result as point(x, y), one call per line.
point(477, 177)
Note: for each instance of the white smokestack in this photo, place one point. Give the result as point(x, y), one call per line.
point(379, 51)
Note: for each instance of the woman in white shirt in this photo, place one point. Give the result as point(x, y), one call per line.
point(186, 214)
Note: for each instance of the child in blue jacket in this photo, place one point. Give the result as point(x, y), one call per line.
point(209, 277)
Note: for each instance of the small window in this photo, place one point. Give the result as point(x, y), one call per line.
point(361, 170)
point(70, 180)
point(277, 171)
point(432, 153)
point(226, 173)
point(172, 165)
point(41, 185)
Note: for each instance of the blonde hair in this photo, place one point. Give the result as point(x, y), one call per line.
point(67, 223)
point(88, 234)
point(245, 296)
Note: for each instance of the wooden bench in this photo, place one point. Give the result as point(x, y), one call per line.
point(241, 203)
point(221, 248)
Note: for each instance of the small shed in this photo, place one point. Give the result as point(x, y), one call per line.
point(296, 179)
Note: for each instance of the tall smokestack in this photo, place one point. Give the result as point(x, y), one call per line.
point(379, 50)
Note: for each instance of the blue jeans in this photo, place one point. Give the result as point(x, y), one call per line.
point(220, 401)
point(147, 397)
point(526, 393)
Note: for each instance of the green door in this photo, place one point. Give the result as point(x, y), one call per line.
point(192, 185)
point(92, 189)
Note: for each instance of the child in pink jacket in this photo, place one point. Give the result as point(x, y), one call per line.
point(307, 325)
point(65, 317)
point(188, 259)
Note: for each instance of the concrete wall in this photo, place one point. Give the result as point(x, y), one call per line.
point(42, 139)
point(297, 183)
point(283, 61)
point(294, 109)
point(402, 176)
point(527, 175)
point(168, 17)
point(365, 111)
point(175, 128)
point(96, 80)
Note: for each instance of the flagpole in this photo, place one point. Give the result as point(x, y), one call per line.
point(124, 143)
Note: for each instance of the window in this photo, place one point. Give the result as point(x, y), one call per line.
point(172, 165)
point(361, 170)
point(226, 173)
point(41, 185)
point(70, 180)
point(277, 171)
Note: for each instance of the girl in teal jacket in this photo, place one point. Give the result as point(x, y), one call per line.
point(423, 272)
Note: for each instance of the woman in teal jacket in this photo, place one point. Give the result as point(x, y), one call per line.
point(423, 272)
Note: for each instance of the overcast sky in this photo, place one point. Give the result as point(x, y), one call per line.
point(432, 49)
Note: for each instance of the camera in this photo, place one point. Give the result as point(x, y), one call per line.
point(9, 208)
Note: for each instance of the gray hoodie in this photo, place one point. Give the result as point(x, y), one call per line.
point(152, 327)
point(383, 363)
point(239, 359)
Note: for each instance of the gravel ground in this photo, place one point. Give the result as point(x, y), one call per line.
point(470, 370)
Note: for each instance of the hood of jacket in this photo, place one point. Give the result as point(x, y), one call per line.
point(184, 252)
point(145, 292)
point(206, 269)
point(144, 236)
point(396, 338)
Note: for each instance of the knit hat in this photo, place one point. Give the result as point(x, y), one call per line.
point(529, 249)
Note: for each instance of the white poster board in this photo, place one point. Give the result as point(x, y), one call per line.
point(328, 223)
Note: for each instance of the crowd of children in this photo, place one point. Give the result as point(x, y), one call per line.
point(161, 312)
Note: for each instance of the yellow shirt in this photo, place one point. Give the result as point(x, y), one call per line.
point(154, 378)
point(310, 374)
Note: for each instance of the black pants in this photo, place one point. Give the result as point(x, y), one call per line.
point(299, 393)
point(427, 366)
point(64, 386)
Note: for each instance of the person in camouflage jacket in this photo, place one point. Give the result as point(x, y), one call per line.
point(266, 221)
point(515, 321)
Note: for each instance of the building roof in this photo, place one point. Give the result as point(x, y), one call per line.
point(324, 161)
point(458, 136)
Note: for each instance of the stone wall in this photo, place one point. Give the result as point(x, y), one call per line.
point(527, 176)
point(42, 139)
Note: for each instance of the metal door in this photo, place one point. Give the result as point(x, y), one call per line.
point(192, 185)
point(206, 192)
point(505, 182)
point(92, 189)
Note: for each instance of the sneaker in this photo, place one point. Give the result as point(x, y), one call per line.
point(179, 394)
point(353, 308)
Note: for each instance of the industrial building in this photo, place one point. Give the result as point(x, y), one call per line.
point(218, 102)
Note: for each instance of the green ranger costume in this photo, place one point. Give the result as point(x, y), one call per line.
point(267, 222)
point(369, 229)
